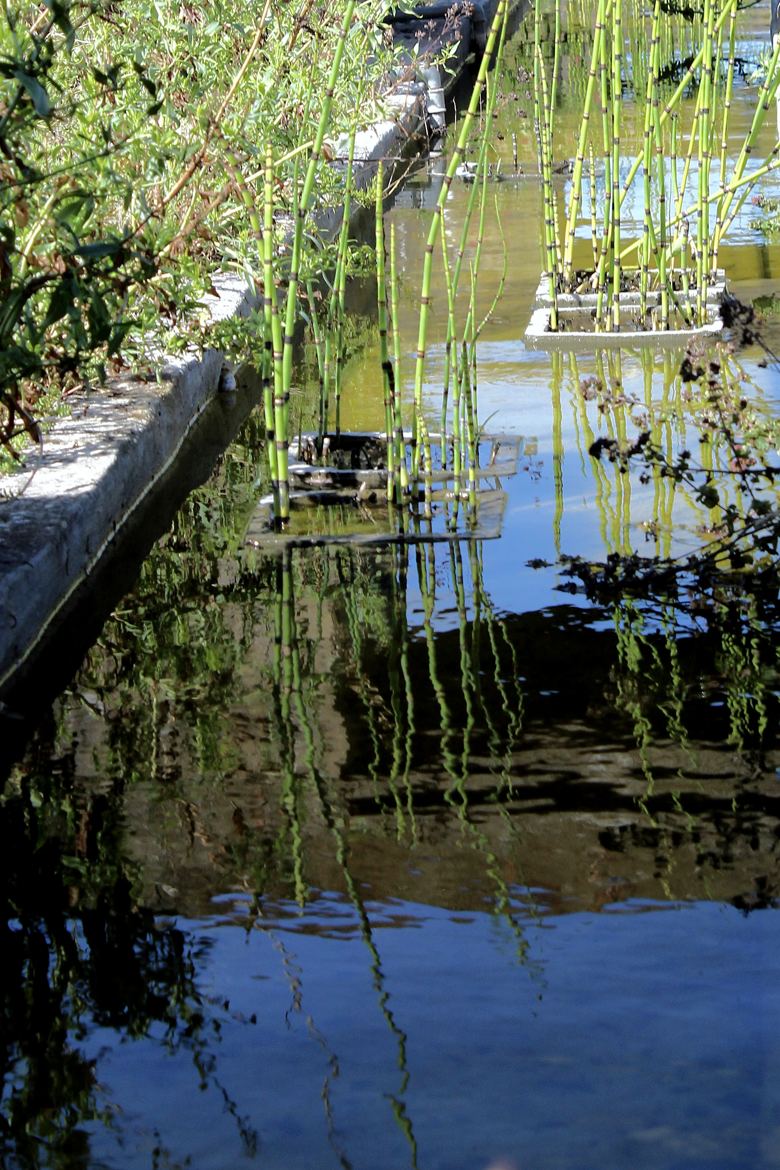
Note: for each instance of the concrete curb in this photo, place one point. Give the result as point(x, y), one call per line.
point(60, 515)
point(95, 469)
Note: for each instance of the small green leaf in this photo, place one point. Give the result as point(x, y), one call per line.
point(98, 248)
point(38, 95)
point(60, 302)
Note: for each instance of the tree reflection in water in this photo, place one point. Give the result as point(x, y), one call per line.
point(363, 725)
point(80, 954)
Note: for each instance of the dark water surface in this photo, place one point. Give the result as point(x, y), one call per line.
point(417, 856)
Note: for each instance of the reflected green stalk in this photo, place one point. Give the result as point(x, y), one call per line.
point(630, 644)
point(401, 704)
point(457, 767)
point(502, 747)
point(283, 685)
point(336, 827)
point(557, 446)
point(743, 670)
point(402, 485)
point(368, 692)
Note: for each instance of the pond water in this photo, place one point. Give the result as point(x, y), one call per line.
point(447, 856)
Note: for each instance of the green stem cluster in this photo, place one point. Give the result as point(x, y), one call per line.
point(677, 252)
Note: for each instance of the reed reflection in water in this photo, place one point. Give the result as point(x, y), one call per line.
point(327, 858)
point(347, 862)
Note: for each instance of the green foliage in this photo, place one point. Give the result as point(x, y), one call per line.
point(127, 131)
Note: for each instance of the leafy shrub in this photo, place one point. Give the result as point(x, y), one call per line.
point(124, 125)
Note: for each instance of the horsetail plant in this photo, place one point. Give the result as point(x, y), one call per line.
point(381, 297)
point(272, 368)
point(458, 155)
point(302, 201)
point(677, 251)
point(402, 471)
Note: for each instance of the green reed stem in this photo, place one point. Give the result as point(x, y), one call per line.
point(617, 104)
point(724, 141)
point(450, 350)
point(548, 194)
point(766, 98)
point(273, 326)
point(605, 267)
point(556, 66)
point(706, 120)
point(592, 199)
point(496, 28)
point(688, 81)
point(301, 206)
point(576, 182)
point(334, 338)
point(384, 354)
point(402, 471)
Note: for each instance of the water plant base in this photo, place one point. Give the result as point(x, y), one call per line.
point(340, 498)
point(576, 313)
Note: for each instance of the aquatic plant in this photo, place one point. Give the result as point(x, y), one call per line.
point(689, 202)
point(413, 459)
point(459, 433)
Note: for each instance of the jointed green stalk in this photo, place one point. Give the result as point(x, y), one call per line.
point(273, 327)
point(302, 203)
point(334, 340)
point(604, 265)
point(458, 155)
point(766, 98)
point(651, 98)
point(548, 194)
point(576, 182)
point(726, 112)
point(617, 103)
point(688, 79)
point(402, 476)
point(381, 296)
point(705, 154)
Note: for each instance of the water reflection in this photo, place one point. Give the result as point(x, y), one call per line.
point(315, 751)
point(82, 958)
point(417, 855)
